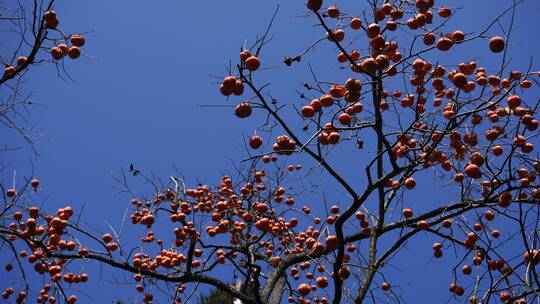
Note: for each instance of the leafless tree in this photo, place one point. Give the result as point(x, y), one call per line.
point(468, 125)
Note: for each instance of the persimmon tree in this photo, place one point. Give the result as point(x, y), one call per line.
point(33, 36)
point(401, 111)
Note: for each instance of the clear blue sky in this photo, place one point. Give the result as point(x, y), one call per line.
point(135, 100)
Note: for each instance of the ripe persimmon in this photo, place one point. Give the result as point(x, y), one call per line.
point(9, 70)
point(496, 44)
point(407, 213)
point(332, 11)
point(444, 44)
point(238, 88)
point(252, 63)
point(74, 52)
point(106, 238)
point(307, 111)
point(77, 40)
point(314, 5)
point(243, 110)
point(356, 23)
point(445, 12)
point(473, 171)
point(373, 30)
point(255, 142)
point(532, 257)
point(410, 183)
point(322, 282)
point(303, 289)
point(21, 60)
point(34, 183)
point(51, 21)
point(11, 192)
point(429, 39)
point(513, 101)
point(345, 119)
